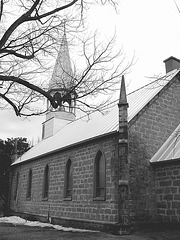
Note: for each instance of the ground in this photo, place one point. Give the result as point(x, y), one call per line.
point(9, 231)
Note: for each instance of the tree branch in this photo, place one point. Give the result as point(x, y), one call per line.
point(30, 86)
point(12, 52)
point(38, 17)
point(11, 103)
point(26, 17)
point(18, 22)
point(1, 9)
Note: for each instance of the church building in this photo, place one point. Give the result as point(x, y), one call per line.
point(108, 173)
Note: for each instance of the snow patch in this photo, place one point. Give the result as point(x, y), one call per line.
point(20, 221)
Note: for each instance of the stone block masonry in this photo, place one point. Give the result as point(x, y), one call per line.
point(167, 176)
point(159, 118)
point(149, 129)
point(82, 206)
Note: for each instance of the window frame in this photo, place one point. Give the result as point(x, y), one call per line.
point(97, 195)
point(68, 180)
point(45, 190)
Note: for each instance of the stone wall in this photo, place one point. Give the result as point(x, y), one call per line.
point(159, 118)
point(142, 189)
point(148, 131)
point(167, 176)
point(82, 206)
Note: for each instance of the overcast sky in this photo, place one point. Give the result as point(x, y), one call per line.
point(147, 29)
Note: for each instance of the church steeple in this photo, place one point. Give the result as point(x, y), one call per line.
point(62, 76)
point(60, 87)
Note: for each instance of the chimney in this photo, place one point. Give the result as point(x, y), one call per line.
point(171, 63)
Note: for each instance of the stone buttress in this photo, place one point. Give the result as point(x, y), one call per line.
point(123, 183)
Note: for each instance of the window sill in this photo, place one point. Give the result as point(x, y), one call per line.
point(68, 198)
point(28, 198)
point(99, 199)
point(45, 199)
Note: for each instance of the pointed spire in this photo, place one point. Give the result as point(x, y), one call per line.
point(62, 76)
point(123, 96)
point(123, 109)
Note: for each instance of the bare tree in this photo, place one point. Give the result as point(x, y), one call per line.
point(30, 31)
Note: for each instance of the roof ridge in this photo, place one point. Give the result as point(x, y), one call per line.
point(158, 79)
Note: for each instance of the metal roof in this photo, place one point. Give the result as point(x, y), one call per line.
point(170, 150)
point(98, 125)
point(139, 98)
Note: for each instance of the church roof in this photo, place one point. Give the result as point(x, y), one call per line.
point(97, 125)
point(62, 76)
point(170, 150)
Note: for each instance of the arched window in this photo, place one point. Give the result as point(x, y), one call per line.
point(68, 180)
point(29, 184)
point(99, 176)
point(16, 186)
point(46, 182)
